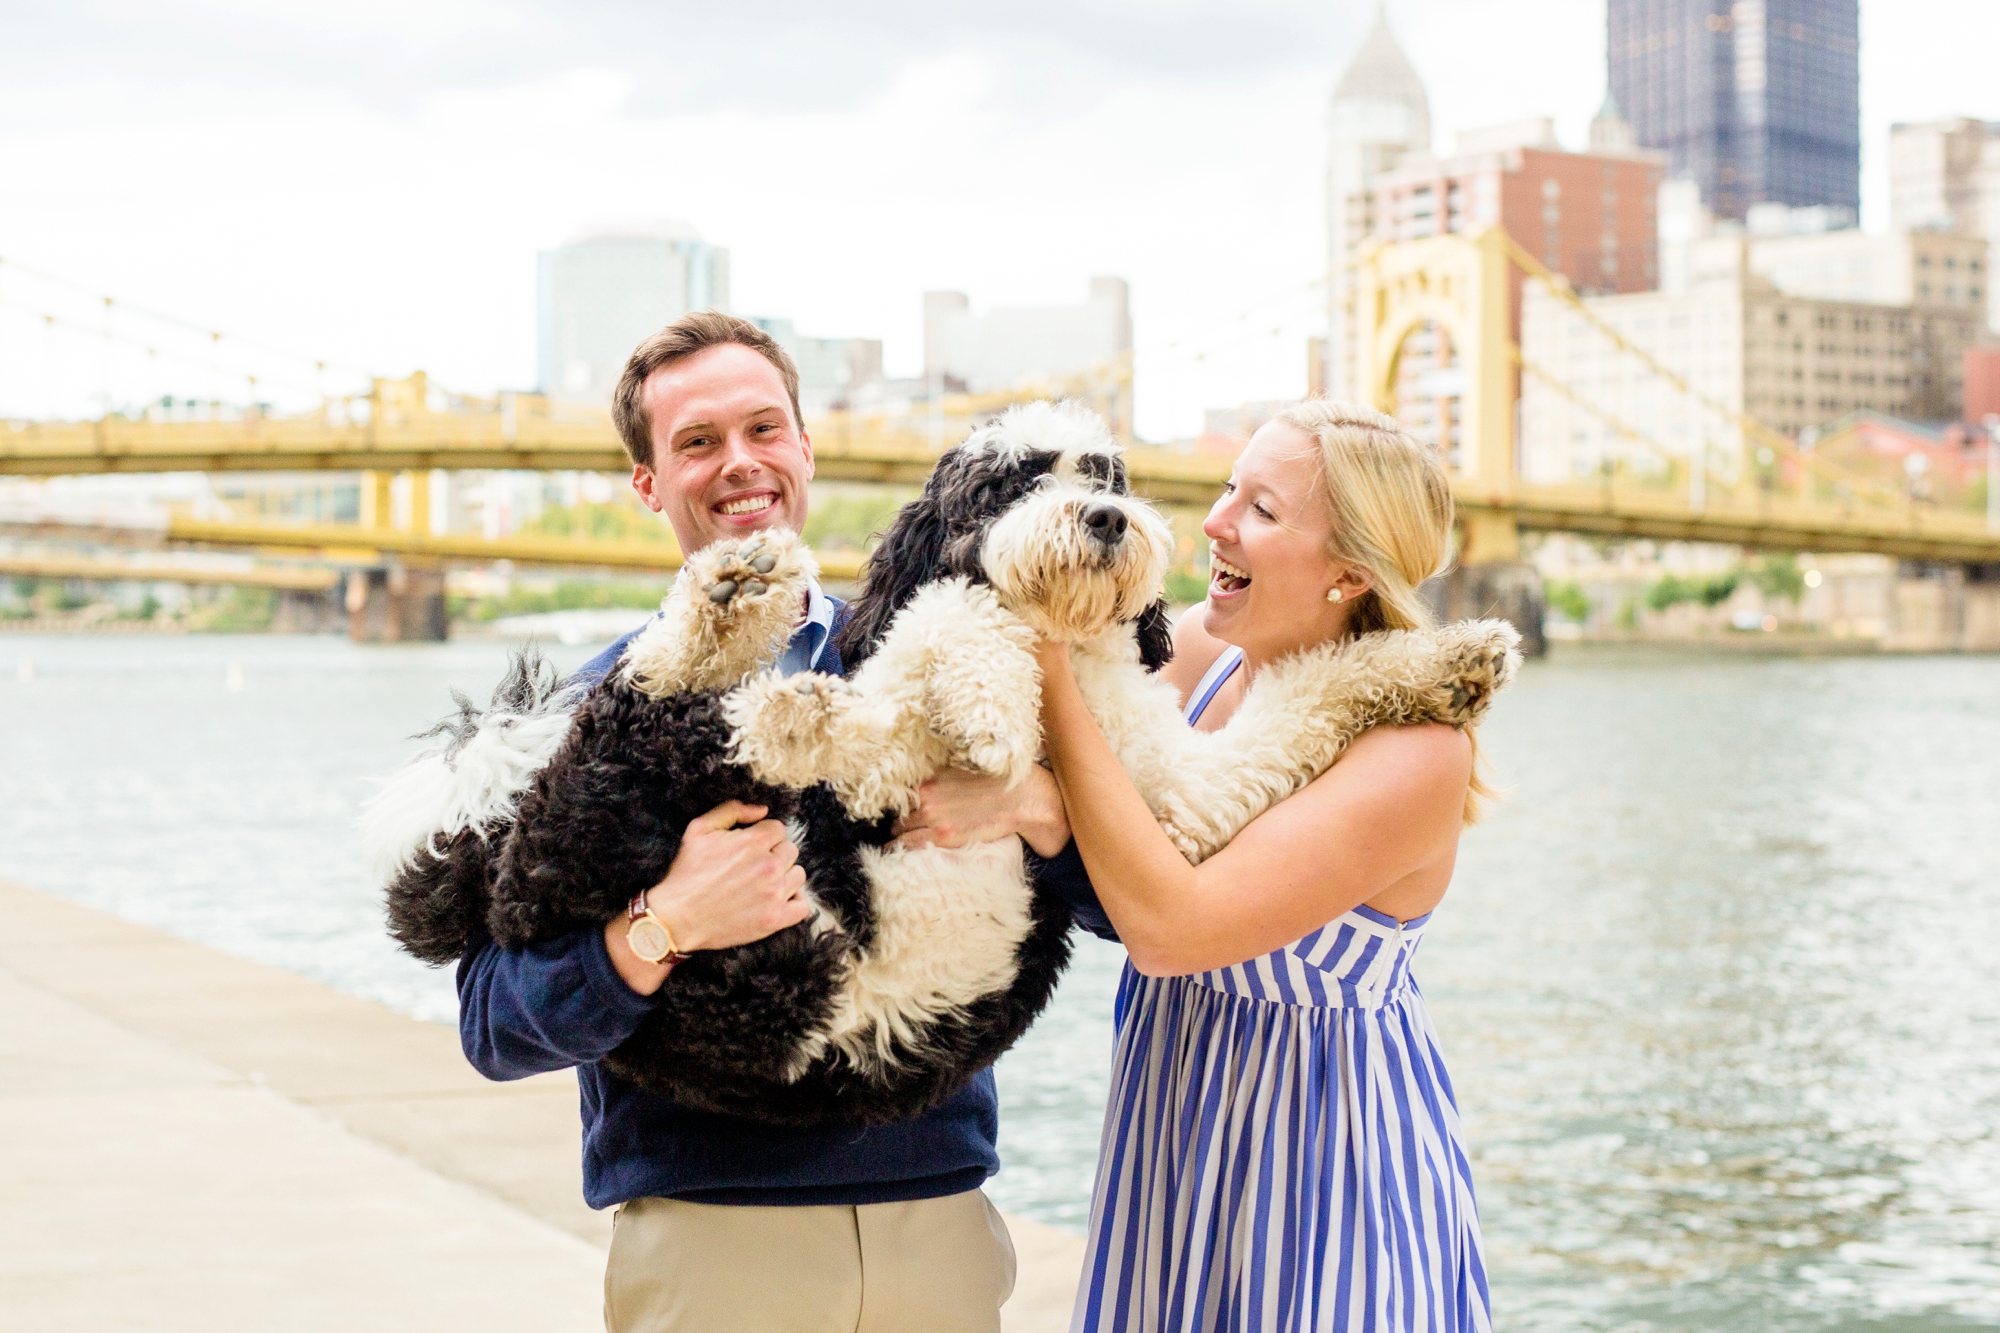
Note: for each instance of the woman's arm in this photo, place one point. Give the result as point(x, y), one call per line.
point(957, 808)
point(1379, 827)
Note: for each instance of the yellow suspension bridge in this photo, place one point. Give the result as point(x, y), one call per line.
point(1455, 289)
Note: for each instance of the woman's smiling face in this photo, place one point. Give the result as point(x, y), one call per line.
point(1269, 565)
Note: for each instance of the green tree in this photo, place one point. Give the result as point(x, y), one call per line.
point(853, 520)
point(237, 611)
point(1187, 584)
point(1567, 599)
point(1669, 590)
point(1714, 590)
point(1777, 576)
point(1718, 588)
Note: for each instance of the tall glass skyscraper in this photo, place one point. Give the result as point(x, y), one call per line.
point(1758, 101)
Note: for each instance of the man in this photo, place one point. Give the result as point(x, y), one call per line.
point(727, 1224)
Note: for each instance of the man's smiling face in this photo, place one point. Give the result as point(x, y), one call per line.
point(728, 457)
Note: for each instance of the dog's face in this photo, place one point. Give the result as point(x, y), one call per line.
point(1038, 505)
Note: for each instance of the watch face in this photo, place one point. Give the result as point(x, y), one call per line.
point(649, 939)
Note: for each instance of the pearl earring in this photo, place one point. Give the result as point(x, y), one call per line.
point(1333, 594)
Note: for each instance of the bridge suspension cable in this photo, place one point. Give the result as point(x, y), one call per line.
point(152, 348)
point(216, 336)
point(1774, 439)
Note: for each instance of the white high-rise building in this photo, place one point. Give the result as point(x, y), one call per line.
point(1379, 116)
point(1010, 347)
point(602, 294)
point(831, 370)
point(1935, 175)
point(1945, 176)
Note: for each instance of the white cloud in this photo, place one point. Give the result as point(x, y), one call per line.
point(372, 182)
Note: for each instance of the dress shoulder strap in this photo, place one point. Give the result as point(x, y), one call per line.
point(1223, 668)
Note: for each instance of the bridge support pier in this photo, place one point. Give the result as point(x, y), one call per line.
point(1944, 608)
point(396, 605)
point(1492, 579)
point(304, 611)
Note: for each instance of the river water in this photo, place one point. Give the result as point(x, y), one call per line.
point(1719, 982)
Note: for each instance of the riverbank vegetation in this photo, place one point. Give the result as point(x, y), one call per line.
point(1777, 577)
point(537, 598)
point(55, 604)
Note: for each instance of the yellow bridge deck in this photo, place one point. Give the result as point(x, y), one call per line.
point(882, 451)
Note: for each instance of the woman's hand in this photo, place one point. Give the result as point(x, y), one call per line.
point(957, 808)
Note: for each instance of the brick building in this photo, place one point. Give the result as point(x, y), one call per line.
point(1590, 216)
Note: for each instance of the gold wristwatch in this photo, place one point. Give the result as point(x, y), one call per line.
point(649, 936)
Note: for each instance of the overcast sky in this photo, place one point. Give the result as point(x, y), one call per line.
point(369, 182)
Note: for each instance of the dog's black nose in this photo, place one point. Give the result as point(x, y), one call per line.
point(1105, 521)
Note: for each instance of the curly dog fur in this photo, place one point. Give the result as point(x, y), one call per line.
point(917, 968)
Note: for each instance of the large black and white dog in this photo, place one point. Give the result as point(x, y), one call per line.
point(546, 813)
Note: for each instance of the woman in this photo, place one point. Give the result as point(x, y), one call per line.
point(1282, 1147)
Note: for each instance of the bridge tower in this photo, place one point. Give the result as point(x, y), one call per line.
point(402, 598)
point(1434, 344)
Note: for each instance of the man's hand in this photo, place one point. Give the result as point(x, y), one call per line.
point(735, 879)
point(957, 808)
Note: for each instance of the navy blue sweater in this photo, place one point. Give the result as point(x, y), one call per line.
point(544, 1007)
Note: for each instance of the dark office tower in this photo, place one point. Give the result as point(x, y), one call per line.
point(1757, 101)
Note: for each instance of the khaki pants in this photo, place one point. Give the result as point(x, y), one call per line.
point(929, 1266)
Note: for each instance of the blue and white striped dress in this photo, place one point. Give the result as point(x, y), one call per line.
point(1282, 1149)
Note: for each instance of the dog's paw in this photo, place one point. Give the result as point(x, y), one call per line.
point(734, 576)
point(801, 708)
point(1002, 756)
point(784, 725)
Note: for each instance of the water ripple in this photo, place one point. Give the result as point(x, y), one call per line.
point(1717, 981)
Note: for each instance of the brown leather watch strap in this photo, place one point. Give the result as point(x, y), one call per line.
point(638, 910)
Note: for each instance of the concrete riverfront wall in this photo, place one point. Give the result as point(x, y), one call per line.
point(189, 1141)
point(1946, 609)
point(1857, 602)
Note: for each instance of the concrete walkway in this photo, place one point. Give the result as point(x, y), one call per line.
point(188, 1141)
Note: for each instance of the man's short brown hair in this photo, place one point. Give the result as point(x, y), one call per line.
point(681, 339)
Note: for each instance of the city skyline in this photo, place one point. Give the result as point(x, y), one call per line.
point(373, 189)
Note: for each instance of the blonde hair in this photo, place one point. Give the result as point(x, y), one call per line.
point(1390, 501)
